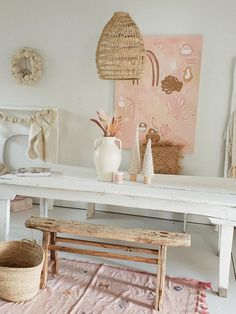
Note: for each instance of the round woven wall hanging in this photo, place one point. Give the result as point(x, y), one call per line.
point(26, 66)
point(120, 52)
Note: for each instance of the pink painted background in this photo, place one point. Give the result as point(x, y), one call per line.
point(174, 113)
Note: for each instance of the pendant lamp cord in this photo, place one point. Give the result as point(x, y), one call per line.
point(121, 6)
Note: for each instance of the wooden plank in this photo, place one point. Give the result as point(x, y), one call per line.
point(103, 254)
point(108, 245)
point(44, 275)
point(109, 232)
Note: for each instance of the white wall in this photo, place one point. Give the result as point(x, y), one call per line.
point(65, 33)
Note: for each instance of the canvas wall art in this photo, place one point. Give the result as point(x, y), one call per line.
point(166, 98)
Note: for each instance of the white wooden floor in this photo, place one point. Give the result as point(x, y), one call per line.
point(198, 262)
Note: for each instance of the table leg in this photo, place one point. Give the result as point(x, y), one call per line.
point(4, 219)
point(185, 222)
point(219, 239)
point(50, 204)
point(43, 207)
point(90, 208)
point(226, 240)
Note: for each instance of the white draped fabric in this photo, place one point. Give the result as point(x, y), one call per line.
point(39, 133)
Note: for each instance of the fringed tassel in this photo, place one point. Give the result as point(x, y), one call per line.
point(201, 306)
point(26, 120)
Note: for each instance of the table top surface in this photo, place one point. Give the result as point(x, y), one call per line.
point(211, 189)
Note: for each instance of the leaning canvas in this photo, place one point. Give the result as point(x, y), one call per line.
point(166, 98)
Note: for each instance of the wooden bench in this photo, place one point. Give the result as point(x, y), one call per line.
point(159, 240)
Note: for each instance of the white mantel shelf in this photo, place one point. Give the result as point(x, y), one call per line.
point(214, 198)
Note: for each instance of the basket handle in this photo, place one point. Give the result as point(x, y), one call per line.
point(33, 242)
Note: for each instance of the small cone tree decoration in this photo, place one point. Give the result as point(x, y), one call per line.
point(135, 164)
point(147, 169)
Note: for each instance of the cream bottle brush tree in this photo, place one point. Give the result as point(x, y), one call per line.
point(147, 169)
point(135, 163)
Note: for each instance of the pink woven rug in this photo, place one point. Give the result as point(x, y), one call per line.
point(87, 288)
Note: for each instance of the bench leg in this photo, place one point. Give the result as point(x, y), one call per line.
point(46, 241)
point(161, 274)
point(54, 254)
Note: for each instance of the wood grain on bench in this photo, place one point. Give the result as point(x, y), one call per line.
point(136, 235)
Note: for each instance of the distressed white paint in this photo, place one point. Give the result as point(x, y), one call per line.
point(210, 197)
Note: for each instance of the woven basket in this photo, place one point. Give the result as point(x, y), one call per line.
point(120, 52)
point(166, 157)
point(21, 264)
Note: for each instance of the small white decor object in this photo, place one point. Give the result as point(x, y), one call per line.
point(26, 66)
point(135, 164)
point(147, 169)
point(118, 177)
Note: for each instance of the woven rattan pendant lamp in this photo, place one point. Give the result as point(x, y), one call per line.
point(120, 52)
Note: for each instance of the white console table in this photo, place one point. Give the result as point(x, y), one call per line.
point(214, 198)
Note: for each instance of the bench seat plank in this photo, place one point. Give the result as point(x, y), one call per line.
point(109, 232)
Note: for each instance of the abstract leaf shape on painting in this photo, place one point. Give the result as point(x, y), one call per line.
point(171, 84)
point(178, 109)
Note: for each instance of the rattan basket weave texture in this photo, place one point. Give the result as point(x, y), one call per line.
point(120, 52)
point(166, 157)
point(21, 264)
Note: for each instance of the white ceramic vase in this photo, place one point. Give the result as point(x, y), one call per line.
point(107, 157)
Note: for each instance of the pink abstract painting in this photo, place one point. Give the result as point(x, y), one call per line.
point(166, 98)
